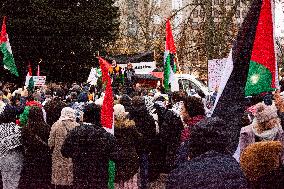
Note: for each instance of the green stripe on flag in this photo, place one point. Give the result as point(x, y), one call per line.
point(259, 79)
point(111, 174)
point(167, 72)
point(8, 60)
point(24, 116)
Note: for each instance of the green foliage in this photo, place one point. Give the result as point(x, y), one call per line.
point(64, 34)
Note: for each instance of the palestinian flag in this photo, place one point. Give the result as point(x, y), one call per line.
point(29, 75)
point(107, 107)
point(107, 113)
point(250, 68)
point(8, 59)
point(169, 57)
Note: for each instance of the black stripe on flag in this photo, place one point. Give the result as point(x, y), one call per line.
point(231, 104)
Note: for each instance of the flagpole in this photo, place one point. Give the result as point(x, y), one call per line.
point(38, 68)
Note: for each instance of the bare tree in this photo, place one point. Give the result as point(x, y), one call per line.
point(141, 26)
point(210, 35)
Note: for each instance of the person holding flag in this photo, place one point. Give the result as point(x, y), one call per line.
point(91, 148)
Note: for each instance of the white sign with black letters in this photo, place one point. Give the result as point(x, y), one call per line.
point(142, 67)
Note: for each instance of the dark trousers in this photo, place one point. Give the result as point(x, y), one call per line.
point(144, 168)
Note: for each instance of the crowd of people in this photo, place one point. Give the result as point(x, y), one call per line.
point(52, 137)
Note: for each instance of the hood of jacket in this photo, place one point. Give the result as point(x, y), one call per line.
point(268, 134)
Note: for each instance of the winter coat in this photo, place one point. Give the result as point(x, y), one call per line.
point(145, 125)
point(125, 100)
point(170, 132)
point(62, 168)
point(90, 148)
point(281, 117)
point(190, 123)
point(211, 170)
point(248, 136)
point(10, 112)
point(272, 180)
point(37, 159)
point(127, 138)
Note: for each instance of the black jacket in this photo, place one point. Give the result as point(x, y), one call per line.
point(37, 158)
point(211, 170)
point(145, 125)
point(170, 132)
point(90, 148)
point(128, 139)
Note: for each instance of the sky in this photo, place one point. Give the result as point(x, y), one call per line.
point(279, 19)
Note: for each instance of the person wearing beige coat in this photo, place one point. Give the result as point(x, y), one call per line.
point(62, 168)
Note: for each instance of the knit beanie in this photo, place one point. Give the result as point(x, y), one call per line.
point(260, 158)
point(265, 113)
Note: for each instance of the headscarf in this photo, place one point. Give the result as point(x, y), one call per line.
point(67, 113)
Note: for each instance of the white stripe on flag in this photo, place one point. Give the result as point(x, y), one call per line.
point(224, 78)
point(275, 48)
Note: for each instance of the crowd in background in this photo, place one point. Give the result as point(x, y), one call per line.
point(52, 137)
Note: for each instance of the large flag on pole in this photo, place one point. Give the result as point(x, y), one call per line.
point(107, 113)
point(251, 65)
point(169, 57)
point(8, 59)
point(107, 107)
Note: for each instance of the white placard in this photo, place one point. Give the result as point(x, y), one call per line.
point(39, 81)
point(216, 68)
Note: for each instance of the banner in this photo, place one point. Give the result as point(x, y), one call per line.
point(215, 69)
point(142, 67)
point(39, 81)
